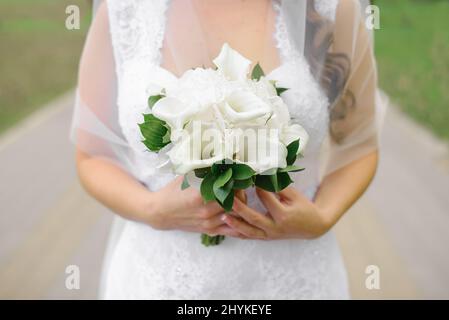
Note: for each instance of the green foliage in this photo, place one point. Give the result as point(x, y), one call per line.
point(153, 99)
point(257, 72)
point(207, 240)
point(242, 171)
point(185, 183)
point(292, 151)
point(155, 132)
point(280, 90)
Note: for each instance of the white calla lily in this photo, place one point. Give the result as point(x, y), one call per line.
point(160, 80)
point(197, 148)
point(231, 64)
point(174, 112)
point(281, 114)
point(293, 133)
point(263, 155)
point(244, 106)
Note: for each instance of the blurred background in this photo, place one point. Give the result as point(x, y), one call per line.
point(48, 223)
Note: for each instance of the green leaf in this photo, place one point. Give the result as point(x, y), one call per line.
point(205, 240)
point(265, 182)
point(223, 178)
point(291, 169)
point(155, 132)
point(185, 183)
point(274, 182)
point(292, 151)
point(153, 146)
point(153, 99)
point(242, 171)
point(152, 130)
point(206, 188)
point(283, 180)
point(222, 192)
point(228, 202)
point(166, 139)
point(257, 72)
point(202, 172)
point(243, 184)
point(215, 169)
point(280, 91)
point(221, 166)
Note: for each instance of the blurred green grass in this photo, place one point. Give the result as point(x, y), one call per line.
point(38, 56)
point(412, 49)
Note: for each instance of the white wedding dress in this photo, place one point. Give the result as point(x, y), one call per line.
point(144, 263)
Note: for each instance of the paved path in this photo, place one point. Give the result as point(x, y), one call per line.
point(47, 222)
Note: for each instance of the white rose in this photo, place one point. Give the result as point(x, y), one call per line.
point(199, 86)
point(231, 64)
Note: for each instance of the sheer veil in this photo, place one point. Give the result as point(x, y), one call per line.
point(330, 34)
point(95, 5)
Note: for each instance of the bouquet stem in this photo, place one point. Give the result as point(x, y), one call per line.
point(207, 240)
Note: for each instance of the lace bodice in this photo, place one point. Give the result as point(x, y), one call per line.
point(152, 264)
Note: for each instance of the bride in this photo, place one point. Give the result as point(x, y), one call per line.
point(278, 246)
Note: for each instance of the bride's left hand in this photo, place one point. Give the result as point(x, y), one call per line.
point(290, 216)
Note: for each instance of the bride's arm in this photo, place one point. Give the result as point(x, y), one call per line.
point(341, 189)
point(167, 209)
point(115, 188)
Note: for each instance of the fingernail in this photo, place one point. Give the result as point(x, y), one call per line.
point(223, 218)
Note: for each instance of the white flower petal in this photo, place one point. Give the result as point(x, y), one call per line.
point(173, 111)
point(191, 152)
point(281, 114)
point(243, 106)
point(232, 64)
point(270, 155)
point(293, 133)
point(160, 79)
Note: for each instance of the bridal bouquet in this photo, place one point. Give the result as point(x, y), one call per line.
point(224, 129)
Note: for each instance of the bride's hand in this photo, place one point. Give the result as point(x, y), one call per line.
point(290, 216)
point(175, 209)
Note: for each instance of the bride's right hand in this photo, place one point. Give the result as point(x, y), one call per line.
point(176, 209)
